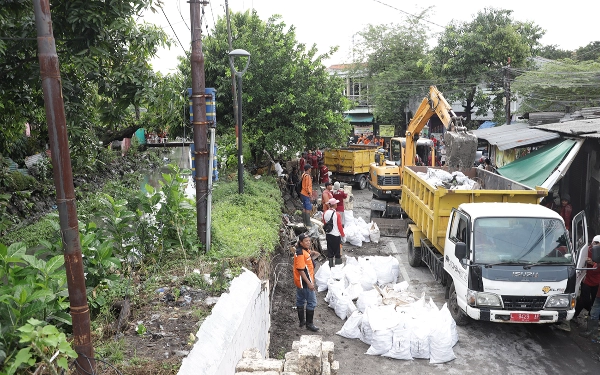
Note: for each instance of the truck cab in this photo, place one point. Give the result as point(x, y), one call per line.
point(513, 263)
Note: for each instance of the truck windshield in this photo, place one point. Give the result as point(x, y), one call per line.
point(520, 241)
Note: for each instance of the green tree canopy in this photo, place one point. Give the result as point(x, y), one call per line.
point(103, 55)
point(393, 61)
point(558, 85)
point(289, 99)
point(470, 57)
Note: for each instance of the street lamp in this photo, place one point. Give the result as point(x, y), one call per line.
point(232, 55)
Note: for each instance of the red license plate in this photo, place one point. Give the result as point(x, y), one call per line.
point(524, 317)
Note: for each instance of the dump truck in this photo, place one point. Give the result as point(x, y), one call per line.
point(385, 177)
point(500, 256)
point(351, 164)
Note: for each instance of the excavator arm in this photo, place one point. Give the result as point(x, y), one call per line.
point(459, 145)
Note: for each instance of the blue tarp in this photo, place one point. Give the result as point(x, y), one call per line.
point(486, 124)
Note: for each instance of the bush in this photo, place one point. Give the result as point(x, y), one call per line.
point(248, 224)
point(16, 181)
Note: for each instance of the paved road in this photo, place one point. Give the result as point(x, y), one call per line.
point(483, 347)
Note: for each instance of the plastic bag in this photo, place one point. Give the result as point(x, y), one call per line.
point(381, 342)
point(446, 316)
point(400, 343)
point(368, 275)
point(368, 298)
point(419, 339)
point(374, 233)
point(353, 291)
point(384, 267)
point(322, 276)
point(366, 333)
point(351, 329)
point(440, 341)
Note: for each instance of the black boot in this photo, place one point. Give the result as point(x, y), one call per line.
point(331, 265)
point(338, 261)
point(301, 316)
point(592, 328)
point(309, 321)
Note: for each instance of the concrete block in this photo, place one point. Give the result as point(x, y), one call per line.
point(325, 367)
point(255, 365)
point(258, 373)
point(335, 367)
point(291, 356)
point(253, 353)
point(327, 349)
point(295, 345)
point(289, 373)
point(291, 366)
point(309, 355)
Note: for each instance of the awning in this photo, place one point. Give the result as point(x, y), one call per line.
point(506, 137)
point(536, 168)
point(359, 118)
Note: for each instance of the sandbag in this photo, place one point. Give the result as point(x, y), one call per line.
point(337, 272)
point(353, 235)
point(352, 273)
point(351, 329)
point(381, 342)
point(366, 333)
point(447, 316)
point(400, 343)
point(353, 291)
point(384, 267)
point(321, 276)
point(440, 341)
point(374, 233)
point(332, 285)
point(419, 339)
point(368, 276)
point(368, 298)
point(340, 302)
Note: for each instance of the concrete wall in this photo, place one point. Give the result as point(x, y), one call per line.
point(239, 321)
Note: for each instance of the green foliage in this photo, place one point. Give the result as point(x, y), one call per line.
point(473, 53)
point(559, 85)
point(45, 344)
point(388, 59)
point(552, 52)
point(248, 224)
point(289, 98)
point(17, 181)
point(590, 52)
point(46, 228)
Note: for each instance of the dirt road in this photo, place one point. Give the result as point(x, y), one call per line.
point(483, 348)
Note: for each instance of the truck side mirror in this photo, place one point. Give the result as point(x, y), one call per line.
point(596, 253)
point(460, 250)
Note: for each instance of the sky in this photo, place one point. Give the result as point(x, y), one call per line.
point(329, 23)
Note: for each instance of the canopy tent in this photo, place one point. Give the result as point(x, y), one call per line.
point(540, 166)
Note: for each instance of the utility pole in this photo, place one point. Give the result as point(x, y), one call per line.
point(233, 82)
point(507, 92)
point(200, 124)
point(65, 191)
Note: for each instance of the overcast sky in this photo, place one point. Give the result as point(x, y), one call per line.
point(330, 23)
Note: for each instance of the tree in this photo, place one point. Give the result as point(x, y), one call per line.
point(103, 56)
point(552, 52)
point(471, 57)
point(393, 61)
point(591, 52)
point(560, 85)
point(290, 102)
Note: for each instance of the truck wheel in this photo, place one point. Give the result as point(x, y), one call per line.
point(459, 316)
point(362, 183)
point(414, 253)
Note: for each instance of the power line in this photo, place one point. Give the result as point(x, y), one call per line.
point(410, 14)
point(163, 12)
point(181, 15)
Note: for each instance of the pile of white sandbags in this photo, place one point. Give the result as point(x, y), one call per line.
point(453, 181)
point(383, 314)
point(357, 230)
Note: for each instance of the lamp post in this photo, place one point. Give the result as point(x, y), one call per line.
point(232, 55)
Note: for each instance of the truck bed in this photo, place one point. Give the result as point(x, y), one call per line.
point(429, 207)
point(349, 160)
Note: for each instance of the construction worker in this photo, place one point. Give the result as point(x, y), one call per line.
point(306, 195)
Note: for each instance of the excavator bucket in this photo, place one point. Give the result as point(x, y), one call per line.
point(461, 148)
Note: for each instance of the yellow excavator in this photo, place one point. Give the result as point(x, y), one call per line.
point(385, 176)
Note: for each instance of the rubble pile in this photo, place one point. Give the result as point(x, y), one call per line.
point(309, 356)
point(383, 314)
point(452, 181)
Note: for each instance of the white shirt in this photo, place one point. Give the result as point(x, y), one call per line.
point(335, 231)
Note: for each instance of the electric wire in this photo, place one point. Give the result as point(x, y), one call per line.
point(410, 14)
point(181, 15)
point(167, 18)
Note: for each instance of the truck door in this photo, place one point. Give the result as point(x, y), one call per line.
point(579, 238)
point(458, 231)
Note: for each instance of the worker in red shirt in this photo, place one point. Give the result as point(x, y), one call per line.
point(566, 210)
point(314, 163)
point(323, 173)
point(589, 285)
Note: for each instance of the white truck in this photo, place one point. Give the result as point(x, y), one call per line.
point(500, 256)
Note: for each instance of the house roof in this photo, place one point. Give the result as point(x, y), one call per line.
point(588, 128)
point(506, 137)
